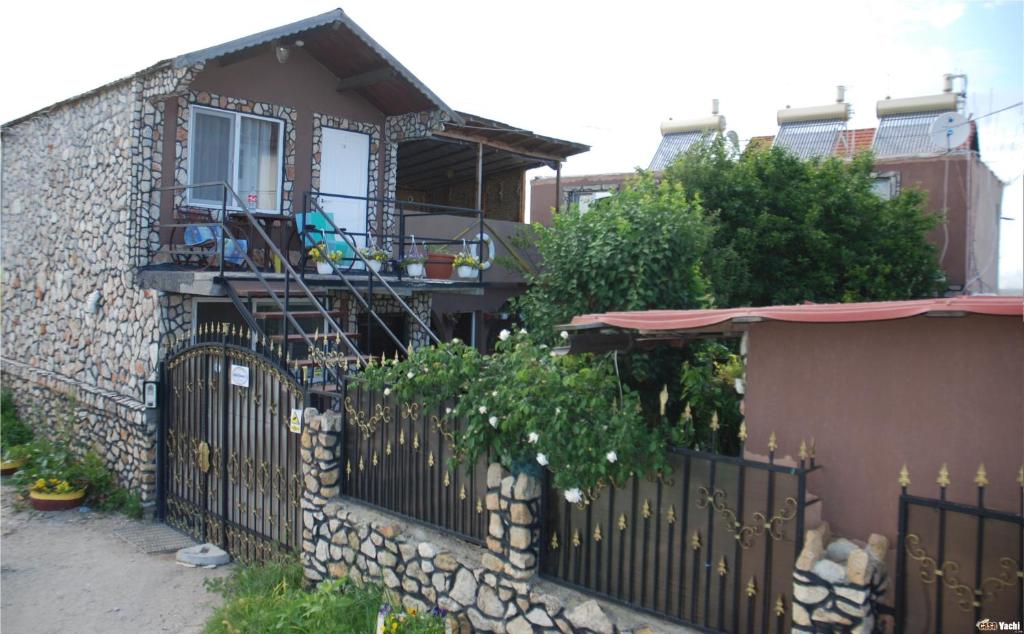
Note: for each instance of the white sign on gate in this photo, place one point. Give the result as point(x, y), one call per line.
point(240, 375)
point(295, 422)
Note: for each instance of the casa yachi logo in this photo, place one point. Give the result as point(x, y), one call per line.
point(988, 625)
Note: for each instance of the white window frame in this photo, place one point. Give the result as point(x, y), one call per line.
point(236, 125)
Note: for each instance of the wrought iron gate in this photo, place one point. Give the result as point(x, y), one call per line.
point(960, 567)
point(230, 471)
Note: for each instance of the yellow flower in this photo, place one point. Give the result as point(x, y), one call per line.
point(40, 484)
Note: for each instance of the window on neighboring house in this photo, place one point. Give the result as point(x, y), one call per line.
point(886, 186)
point(241, 149)
point(585, 198)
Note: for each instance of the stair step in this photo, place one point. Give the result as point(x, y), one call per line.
point(298, 314)
point(332, 336)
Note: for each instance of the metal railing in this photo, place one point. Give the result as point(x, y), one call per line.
point(290, 276)
point(710, 544)
point(398, 242)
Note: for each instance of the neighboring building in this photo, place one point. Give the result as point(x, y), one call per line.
point(955, 179)
point(110, 220)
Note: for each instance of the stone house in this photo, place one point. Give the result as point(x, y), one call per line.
point(104, 194)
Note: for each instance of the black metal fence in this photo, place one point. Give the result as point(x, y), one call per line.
point(398, 457)
point(711, 544)
point(958, 564)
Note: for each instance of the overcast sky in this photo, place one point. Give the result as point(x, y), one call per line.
point(602, 73)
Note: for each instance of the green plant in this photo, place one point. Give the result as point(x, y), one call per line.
point(532, 409)
point(413, 259)
point(321, 254)
point(374, 253)
point(13, 431)
point(270, 597)
point(708, 387)
point(466, 259)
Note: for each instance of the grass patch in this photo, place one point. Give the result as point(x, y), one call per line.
point(270, 597)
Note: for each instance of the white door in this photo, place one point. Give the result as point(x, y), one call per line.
point(344, 168)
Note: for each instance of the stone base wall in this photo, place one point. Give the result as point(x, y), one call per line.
point(492, 589)
point(118, 428)
point(837, 584)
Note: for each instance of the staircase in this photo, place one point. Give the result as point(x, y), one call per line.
point(312, 337)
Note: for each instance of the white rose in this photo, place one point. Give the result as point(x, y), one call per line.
point(504, 335)
point(387, 391)
point(542, 460)
point(447, 410)
point(612, 456)
point(456, 340)
point(533, 437)
point(494, 393)
point(564, 334)
point(574, 496)
point(483, 409)
point(522, 331)
point(558, 410)
point(493, 420)
point(410, 375)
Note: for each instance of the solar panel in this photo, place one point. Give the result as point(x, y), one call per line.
point(905, 135)
point(672, 145)
point(810, 139)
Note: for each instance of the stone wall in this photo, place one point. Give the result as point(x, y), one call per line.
point(118, 428)
point(495, 589)
point(837, 584)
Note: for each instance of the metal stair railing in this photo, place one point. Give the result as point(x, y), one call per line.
point(290, 276)
point(372, 274)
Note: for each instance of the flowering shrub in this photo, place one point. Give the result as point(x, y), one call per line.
point(395, 620)
point(374, 253)
point(532, 409)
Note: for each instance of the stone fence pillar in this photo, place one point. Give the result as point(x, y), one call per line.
point(320, 453)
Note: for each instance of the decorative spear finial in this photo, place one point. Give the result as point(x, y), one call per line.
point(780, 606)
point(663, 398)
point(714, 421)
point(687, 414)
point(695, 540)
point(803, 450)
point(943, 479)
point(981, 478)
point(751, 588)
point(723, 569)
point(904, 479)
point(1020, 476)
point(622, 522)
point(742, 435)
point(773, 443)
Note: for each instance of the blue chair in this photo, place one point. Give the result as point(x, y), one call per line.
point(208, 237)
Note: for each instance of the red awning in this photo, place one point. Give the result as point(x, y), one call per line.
point(697, 320)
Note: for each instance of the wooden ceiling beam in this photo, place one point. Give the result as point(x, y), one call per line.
point(498, 145)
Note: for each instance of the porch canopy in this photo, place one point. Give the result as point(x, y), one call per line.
point(651, 328)
point(452, 155)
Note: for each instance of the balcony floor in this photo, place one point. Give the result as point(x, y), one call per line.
point(191, 281)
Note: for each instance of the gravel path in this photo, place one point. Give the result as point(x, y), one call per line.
point(66, 572)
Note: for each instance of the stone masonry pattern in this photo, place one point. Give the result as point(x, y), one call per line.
point(491, 590)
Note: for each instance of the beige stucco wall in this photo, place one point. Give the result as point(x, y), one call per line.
point(920, 391)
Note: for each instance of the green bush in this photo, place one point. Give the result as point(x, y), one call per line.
point(270, 597)
point(13, 431)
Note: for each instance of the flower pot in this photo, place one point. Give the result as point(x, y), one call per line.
point(55, 501)
point(466, 272)
point(439, 266)
point(374, 265)
point(414, 270)
point(324, 268)
point(7, 467)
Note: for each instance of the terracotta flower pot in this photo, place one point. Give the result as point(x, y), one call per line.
point(55, 501)
point(439, 266)
point(7, 467)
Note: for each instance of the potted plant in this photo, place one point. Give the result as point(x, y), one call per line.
point(324, 257)
point(439, 264)
point(413, 265)
point(375, 256)
point(467, 266)
point(55, 494)
point(14, 433)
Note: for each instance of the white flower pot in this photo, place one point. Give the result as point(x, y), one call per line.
point(374, 265)
point(466, 272)
point(324, 268)
point(414, 270)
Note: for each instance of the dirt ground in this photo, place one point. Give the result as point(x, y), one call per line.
point(66, 572)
